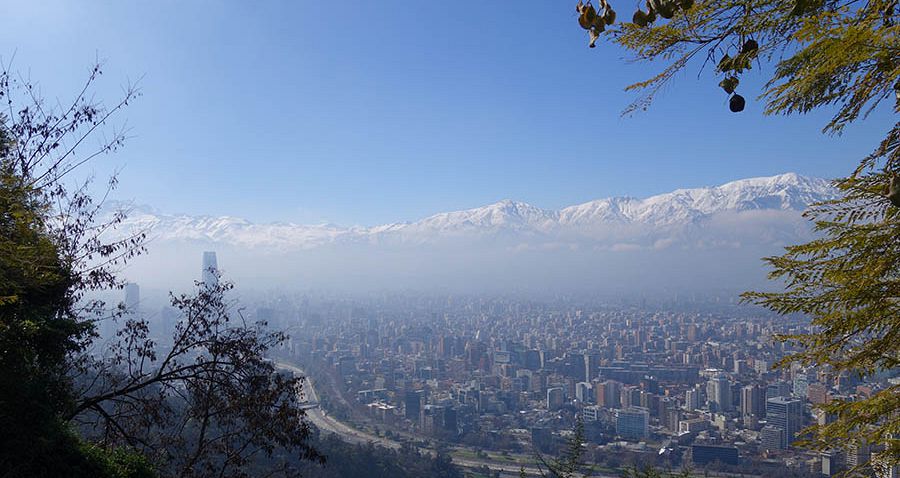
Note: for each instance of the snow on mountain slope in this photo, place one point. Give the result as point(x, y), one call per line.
point(783, 192)
point(680, 208)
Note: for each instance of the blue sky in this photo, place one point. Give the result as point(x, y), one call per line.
point(373, 112)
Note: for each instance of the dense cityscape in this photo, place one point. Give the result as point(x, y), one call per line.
point(503, 380)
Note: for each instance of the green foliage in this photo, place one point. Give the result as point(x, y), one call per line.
point(37, 334)
point(118, 462)
point(53, 450)
point(836, 53)
point(653, 472)
point(848, 282)
point(369, 461)
point(843, 56)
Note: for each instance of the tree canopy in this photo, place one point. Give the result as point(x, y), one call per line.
point(841, 56)
point(207, 404)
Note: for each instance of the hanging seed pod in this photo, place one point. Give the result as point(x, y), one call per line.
point(894, 191)
point(686, 4)
point(651, 16)
point(667, 10)
point(639, 18)
point(725, 64)
point(750, 46)
point(729, 84)
point(610, 16)
point(588, 14)
point(736, 103)
point(749, 51)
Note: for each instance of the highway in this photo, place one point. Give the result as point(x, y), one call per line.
point(324, 422)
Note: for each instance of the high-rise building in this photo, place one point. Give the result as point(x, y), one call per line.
point(609, 394)
point(630, 396)
point(413, 404)
point(555, 398)
point(591, 361)
point(858, 454)
point(632, 423)
point(778, 389)
point(718, 394)
point(787, 414)
point(801, 385)
point(592, 413)
point(132, 297)
point(830, 462)
point(817, 393)
point(752, 402)
point(771, 438)
point(583, 392)
point(692, 398)
point(210, 269)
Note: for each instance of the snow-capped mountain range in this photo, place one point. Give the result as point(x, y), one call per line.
point(662, 215)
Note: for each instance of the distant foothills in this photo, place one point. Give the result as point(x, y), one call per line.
point(727, 227)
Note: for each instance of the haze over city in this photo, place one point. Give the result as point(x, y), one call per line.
point(458, 239)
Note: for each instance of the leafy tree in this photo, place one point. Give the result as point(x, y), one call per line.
point(838, 55)
point(208, 404)
point(43, 274)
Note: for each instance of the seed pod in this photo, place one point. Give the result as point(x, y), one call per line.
point(725, 63)
point(651, 16)
point(686, 4)
point(750, 46)
point(894, 191)
point(667, 10)
point(639, 18)
point(736, 103)
point(587, 17)
point(610, 16)
point(729, 84)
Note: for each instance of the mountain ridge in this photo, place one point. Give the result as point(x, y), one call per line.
point(676, 209)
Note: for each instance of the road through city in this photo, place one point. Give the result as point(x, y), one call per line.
point(319, 417)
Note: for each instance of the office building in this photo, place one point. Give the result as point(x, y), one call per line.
point(633, 423)
point(132, 297)
point(210, 269)
point(718, 394)
point(555, 398)
point(692, 398)
point(751, 401)
point(583, 392)
point(609, 393)
point(705, 454)
point(787, 414)
point(771, 438)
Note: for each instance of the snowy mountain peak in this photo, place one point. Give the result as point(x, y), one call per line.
point(682, 207)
